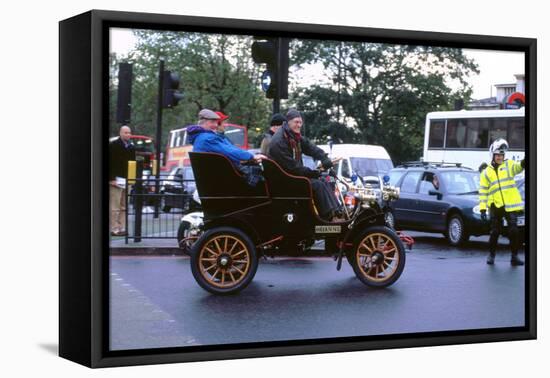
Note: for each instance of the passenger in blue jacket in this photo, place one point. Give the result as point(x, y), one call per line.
point(205, 139)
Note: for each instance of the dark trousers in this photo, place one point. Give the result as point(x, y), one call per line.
point(324, 197)
point(497, 214)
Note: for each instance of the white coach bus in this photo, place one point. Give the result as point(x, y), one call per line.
point(464, 136)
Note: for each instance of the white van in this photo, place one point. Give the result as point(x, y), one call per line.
point(366, 160)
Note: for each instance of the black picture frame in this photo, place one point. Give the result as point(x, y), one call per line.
point(83, 286)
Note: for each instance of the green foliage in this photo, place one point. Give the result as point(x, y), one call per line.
point(216, 72)
point(379, 93)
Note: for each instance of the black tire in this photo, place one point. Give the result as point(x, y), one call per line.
point(183, 232)
point(377, 248)
point(389, 219)
point(220, 254)
point(456, 232)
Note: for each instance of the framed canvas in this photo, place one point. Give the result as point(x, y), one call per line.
point(377, 216)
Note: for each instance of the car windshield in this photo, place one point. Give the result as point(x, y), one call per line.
point(370, 167)
point(395, 176)
point(461, 182)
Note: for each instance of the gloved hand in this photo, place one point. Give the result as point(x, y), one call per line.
point(327, 163)
point(484, 215)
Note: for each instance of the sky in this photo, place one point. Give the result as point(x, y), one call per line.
point(496, 67)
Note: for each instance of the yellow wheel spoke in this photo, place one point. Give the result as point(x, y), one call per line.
point(238, 270)
point(368, 271)
point(388, 251)
point(225, 244)
point(215, 273)
point(366, 247)
point(231, 275)
point(209, 259)
point(233, 247)
point(218, 246)
point(241, 261)
point(210, 267)
point(238, 253)
point(372, 242)
point(211, 251)
point(223, 277)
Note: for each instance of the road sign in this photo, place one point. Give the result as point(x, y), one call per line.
point(266, 80)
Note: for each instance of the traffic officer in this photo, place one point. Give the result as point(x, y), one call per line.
point(499, 194)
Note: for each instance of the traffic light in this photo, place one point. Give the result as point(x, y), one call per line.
point(124, 93)
point(170, 86)
point(274, 53)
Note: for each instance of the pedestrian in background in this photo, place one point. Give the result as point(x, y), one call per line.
point(276, 123)
point(121, 151)
point(498, 193)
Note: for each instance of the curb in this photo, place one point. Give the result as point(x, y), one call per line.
point(145, 251)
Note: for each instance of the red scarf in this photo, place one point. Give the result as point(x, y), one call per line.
point(294, 140)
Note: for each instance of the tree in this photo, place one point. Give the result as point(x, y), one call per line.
point(216, 72)
point(380, 93)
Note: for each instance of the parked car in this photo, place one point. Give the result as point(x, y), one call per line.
point(177, 189)
point(437, 198)
point(361, 159)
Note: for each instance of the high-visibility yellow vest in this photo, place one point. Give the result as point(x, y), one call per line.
point(499, 187)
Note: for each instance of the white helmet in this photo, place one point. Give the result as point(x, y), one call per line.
point(499, 146)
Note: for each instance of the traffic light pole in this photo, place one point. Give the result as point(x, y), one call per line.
point(159, 137)
point(276, 105)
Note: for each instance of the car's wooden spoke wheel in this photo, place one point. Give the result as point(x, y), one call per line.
point(224, 261)
point(377, 257)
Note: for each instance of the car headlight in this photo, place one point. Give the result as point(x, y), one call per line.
point(476, 210)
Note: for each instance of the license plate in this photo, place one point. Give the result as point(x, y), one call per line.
point(328, 229)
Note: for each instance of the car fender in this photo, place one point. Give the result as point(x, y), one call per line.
point(367, 219)
point(195, 218)
point(235, 222)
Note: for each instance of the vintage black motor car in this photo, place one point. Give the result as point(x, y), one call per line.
point(243, 223)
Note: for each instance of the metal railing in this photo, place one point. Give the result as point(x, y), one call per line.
point(154, 208)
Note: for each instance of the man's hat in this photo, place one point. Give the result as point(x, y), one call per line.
point(208, 114)
point(222, 116)
point(293, 113)
point(277, 119)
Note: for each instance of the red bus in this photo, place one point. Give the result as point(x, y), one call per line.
point(177, 151)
